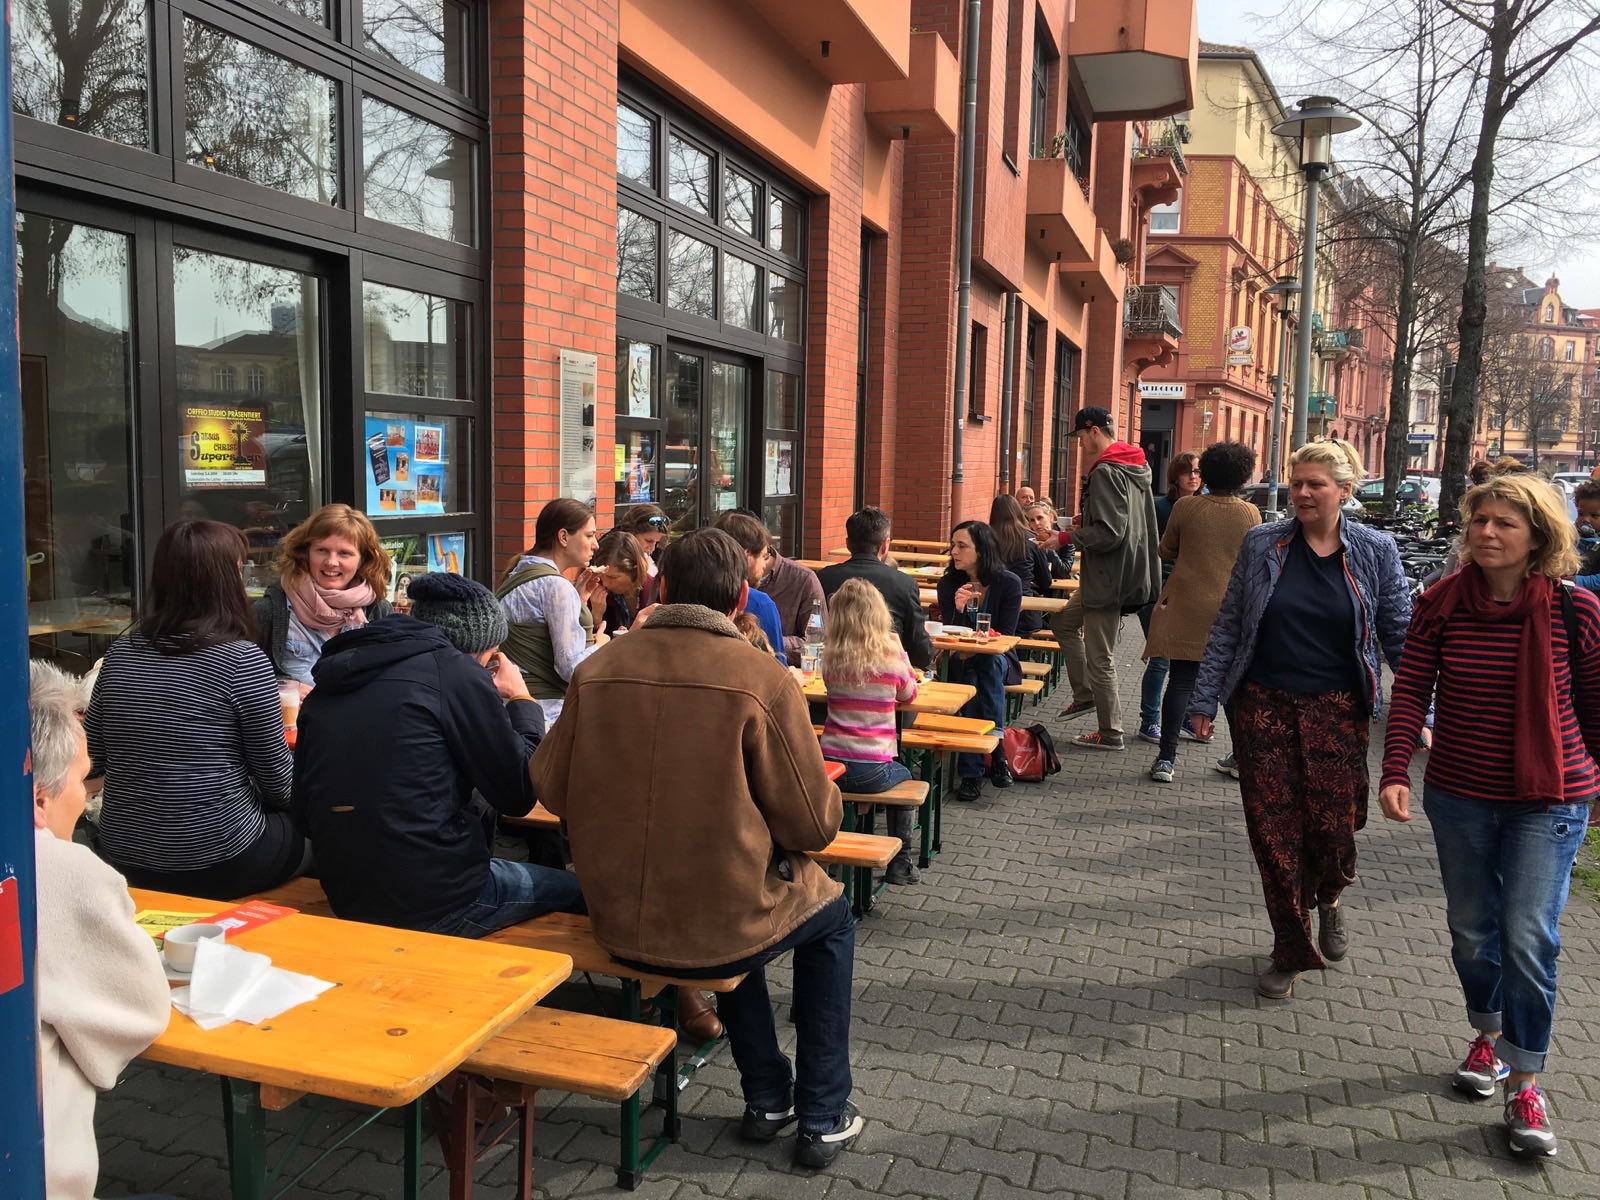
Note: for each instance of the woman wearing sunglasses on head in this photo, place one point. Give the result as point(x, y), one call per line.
point(649, 526)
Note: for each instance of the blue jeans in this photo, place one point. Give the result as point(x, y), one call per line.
point(986, 672)
point(1154, 681)
point(824, 963)
point(1506, 869)
point(514, 892)
point(870, 778)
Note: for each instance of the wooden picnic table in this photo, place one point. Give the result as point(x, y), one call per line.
point(1044, 604)
point(934, 697)
point(907, 556)
point(998, 644)
point(407, 1010)
point(912, 544)
point(1063, 585)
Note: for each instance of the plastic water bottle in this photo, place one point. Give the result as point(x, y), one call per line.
point(813, 636)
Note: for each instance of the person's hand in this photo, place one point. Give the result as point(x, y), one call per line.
point(588, 583)
point(645, 614)
point(966, 594)
point(1077, 520)
point(1395, 800)
point(601, 637)
point(507, 677)
point(1202, 726)
point(799, 676)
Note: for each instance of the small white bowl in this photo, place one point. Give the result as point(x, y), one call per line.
point(178, 946)
point(934, 628)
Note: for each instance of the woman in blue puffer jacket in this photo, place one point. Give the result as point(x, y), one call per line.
point(1313, 606)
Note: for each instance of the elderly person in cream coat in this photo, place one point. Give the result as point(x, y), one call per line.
point(102, 993)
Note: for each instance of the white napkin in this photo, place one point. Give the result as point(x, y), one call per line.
point(230, 984)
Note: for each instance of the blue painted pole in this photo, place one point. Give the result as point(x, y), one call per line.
point(21, 1119)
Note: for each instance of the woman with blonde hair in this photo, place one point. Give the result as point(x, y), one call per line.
point(867, 675)
point(333, 575)
point(1508, 650)
point(620, 564)
point(1314, 604)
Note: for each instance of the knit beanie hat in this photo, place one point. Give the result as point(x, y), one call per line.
point(465, 611)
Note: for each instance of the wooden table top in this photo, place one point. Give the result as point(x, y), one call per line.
point(912, 544)
point(408, 1009)
point(1063, 585)
point(926, 557)
point(933, 697)
point(1045, 604)
point(999, 644)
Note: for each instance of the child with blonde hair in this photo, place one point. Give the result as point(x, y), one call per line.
point(867, 674)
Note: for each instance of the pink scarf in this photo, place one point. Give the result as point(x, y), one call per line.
point(324, 610)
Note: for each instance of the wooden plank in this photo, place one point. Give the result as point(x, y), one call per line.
point(1036, 670)
point(1028, 687)
point(1044, 604)
point(409, 1008)
point(913, 793)
point(537, 817)
point(913, 544)
point(1040, 642)
point(941, 743)
point(576, 1052)
point(998, 644)
point(562, 933)
point(944, 724)
point(933, 696)
point(858, 850)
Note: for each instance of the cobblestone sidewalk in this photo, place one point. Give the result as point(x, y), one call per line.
point(1064, 1006)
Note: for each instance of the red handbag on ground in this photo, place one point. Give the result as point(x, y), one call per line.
point(1030, 753)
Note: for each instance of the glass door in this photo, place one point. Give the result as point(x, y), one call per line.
point(725, 435)
point(704, 463)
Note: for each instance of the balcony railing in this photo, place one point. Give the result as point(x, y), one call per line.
point(1165, 139)
point(1151, 308)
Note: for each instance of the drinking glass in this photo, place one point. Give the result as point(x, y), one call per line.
point(981, 622)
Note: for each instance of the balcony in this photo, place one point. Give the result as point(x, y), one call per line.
point(1061, 224)
point(1151, 309)
point(846, 41)
point(1322, 404)
point(1135, 58)
point(1098, 276)
point(1336, 343)
point(926, 105)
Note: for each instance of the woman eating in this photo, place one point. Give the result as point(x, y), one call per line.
point(186, 727)
point(1199, 543)
point(977, 582)
point(1041, 518)
point(1021, 555)
point(1313, 606)
point(552, 628)
point(649, 526)
point(619, 565)
point(333, 575)
point(1511, 657)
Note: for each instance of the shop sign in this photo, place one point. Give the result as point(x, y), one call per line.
point(408, 467)
point(1163, 391)
point(1240, 343)
point(224, 447)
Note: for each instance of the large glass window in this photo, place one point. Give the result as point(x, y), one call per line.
point(785, 307)
point(254, 461)
point(691, 276)
point(415, 174)
point(416, 344)
point(689, 175)
point(681, 455)
point(739, 303)
point(75, 302)
point(426, 37)
point(1039, 95)
point(637, 247)
point(636, 146)
point(741, 204)
point(257, 116)
point(730, 384)
point(83, 64)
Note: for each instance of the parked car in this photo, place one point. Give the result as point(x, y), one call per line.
point(1413, 489)
point(1256, 493)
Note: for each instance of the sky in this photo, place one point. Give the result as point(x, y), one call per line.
point(1247, 23)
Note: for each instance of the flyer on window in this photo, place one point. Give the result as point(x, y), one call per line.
point(447, 551)
point(224, 447)
point(408, 467)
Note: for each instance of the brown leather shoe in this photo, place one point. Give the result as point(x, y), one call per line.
point(697, 1020)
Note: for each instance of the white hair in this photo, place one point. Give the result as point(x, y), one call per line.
point(55, 698)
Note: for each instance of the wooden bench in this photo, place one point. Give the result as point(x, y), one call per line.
point(537, 817)
point(937, 748)
point(571, 1052)
point(1035, 670)
point(1031, 688)
point(938, 723)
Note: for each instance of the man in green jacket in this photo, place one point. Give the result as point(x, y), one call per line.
point(1115, 535)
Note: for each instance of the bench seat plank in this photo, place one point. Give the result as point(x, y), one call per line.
point(575, 1052)
point(913, 793)
point(858, 850)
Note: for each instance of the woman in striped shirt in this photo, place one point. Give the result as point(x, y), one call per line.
point(867, 674)
point(185, 724)
point(1514, 654)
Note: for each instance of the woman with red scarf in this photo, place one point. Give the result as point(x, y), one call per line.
point(1513, 655)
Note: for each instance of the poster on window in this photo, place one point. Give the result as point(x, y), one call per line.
point(578, 473)
point(780, 467)
point(446, 552)
point(641, 379)
point(636, 469)
point(407, 467)
point(224, 447)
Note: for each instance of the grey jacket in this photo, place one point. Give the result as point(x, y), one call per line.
point(1117, 540)
point(1377, 586)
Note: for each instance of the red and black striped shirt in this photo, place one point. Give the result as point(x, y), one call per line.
point(1473, 666)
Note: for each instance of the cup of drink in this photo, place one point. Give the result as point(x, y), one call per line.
point(981, 622)
point(178, 946)
point(289, 704)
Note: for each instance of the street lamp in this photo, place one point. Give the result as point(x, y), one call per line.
point(1318, 119)
point(1284, 290)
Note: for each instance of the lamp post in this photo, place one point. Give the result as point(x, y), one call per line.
point(1317, 120)
point(1284, 290)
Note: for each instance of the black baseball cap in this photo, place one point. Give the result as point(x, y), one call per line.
point(1085, 418)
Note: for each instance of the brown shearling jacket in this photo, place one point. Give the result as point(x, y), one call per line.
point(686, 769)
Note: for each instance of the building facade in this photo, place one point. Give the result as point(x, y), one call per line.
point(445, 262)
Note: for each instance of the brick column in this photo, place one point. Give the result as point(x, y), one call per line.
point(553, 206)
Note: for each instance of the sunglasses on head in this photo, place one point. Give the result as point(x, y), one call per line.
point(660, 523)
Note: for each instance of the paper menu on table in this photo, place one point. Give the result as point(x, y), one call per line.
point(158, 922)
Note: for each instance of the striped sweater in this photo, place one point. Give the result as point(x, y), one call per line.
point(860, 724)
point(193, 751)
point(1473, 665)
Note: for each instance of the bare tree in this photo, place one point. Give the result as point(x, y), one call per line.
point(1526, 42)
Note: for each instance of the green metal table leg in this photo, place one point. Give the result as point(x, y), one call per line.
point(629, 1173)
point(930, 776)
point(245, 1127)
point(411, 1116)
point(947, 770)
point(665, 1093)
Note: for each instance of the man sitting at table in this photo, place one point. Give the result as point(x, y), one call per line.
point(866, 534)
point(692, 847)
point(102, 993)
point(409, 715)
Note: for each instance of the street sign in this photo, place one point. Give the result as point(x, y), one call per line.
point(1419, 438)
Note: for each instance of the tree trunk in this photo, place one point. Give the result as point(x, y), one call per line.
point(1474, 294)
point(1396, 446)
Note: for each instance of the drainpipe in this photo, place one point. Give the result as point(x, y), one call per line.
point(969, 156)
point(1009, 301)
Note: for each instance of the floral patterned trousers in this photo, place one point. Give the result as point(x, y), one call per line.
point(1303, 778)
